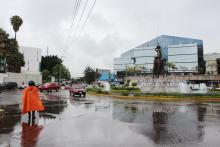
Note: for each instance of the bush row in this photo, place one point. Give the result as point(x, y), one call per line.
point(92, 89)
point(97, 90)
point(125, 88)
point(118, 91)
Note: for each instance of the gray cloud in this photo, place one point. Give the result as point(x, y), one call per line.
point(115, 26)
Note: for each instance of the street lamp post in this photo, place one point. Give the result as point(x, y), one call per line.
point(61, 90)
point(60, 70)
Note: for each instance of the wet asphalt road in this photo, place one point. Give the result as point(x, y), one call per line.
point(106, 122)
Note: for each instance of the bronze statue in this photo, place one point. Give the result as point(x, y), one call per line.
point(158, 67)
point(158, 50)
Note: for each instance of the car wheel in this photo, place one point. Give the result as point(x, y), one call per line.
point(84, 95)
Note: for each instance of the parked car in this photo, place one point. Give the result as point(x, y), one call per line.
point(49, 87)
point(67, 87)
point(22, 86)
point(8, 85)
point(78, 90)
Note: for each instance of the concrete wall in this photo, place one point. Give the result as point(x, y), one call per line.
point(177, 78)
point(19, 78)
point(2, 76)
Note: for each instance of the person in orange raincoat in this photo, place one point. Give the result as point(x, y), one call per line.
point(31, 101)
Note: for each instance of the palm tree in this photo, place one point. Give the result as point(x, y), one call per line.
point(16, 22)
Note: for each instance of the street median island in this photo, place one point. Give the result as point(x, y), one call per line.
point(159, 96)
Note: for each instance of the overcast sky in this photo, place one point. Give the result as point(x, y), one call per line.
point(114, 26)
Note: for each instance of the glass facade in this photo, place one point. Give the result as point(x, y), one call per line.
point(120, 64)
point(184, 57)
point(185, 53)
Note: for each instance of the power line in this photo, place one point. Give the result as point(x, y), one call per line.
point(74, 15)
point(81, 16)
point(71, 21)
point(78, 3)
point(78, 37)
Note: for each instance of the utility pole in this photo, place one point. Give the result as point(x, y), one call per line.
point(60, 83)
point(60, 70)
point(47, 51)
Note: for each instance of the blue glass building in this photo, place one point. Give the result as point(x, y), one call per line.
point(144, 54)
point(105, 75)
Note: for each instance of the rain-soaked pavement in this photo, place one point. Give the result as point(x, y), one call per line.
point(106, 122)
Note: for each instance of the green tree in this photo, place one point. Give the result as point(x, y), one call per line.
point(89, 75)
point(171, 65)
point(49, 62)
point(16, 22)
point(77, 80)
point(15, 60)
point(46, 75)
point(3, 49)
point(9, 51)
point(120, 74)
point(3, 37)
point(134, 84)
point(60, 69)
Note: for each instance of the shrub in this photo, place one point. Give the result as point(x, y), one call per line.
point(131, 88)
point(134, 84)
point(126, 88)
point(125, 93)
point(105, 92)
point(127, 84)
point(91, 89)
point(99, 91)
point(118, 88)
point(137, 94)
point(119, 91)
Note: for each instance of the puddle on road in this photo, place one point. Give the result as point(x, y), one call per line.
point(99, 121)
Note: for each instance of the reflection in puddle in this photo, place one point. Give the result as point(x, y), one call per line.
point(10, 117)
point(55, 107)
point(30, 134)
point(169, 124)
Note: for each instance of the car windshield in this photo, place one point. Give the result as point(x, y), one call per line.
point(78, 87)
point(47, 84)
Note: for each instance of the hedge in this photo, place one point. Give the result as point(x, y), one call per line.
point(125, 93)
point(125, 88)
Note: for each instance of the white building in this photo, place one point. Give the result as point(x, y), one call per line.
point(32, 57)
point(31, 70)
point(211, 63)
